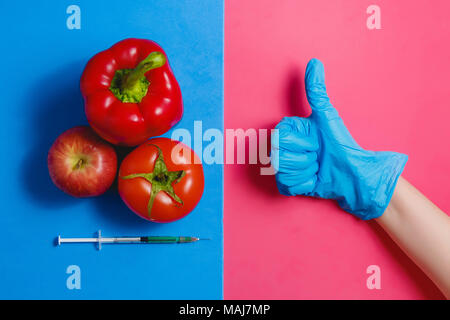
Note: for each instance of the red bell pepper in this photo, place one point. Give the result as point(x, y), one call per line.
point(130, 92)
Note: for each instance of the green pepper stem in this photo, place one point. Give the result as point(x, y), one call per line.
point(131, 85)
point(154, 60)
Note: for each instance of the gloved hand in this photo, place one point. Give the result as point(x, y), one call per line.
point(317, 156)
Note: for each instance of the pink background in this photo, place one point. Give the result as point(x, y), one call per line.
point(390, 87)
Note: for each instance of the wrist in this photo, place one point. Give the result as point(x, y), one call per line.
point(391, 175)
point(392, 167)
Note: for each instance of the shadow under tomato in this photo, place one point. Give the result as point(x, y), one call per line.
point(111, 207)
point(114, 211)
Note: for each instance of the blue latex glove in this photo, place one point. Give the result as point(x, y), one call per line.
point(317, 156)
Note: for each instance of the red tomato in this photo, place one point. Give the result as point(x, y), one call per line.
point(161, 180)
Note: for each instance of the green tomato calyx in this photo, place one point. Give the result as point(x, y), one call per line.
point(161, 179)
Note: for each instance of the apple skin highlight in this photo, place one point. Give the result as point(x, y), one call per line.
point(81, 164)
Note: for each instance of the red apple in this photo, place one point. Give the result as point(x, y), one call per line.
point(82, 164)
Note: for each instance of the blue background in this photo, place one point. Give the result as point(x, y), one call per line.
point(42, 65)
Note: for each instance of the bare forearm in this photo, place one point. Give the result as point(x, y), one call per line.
point(422, 230)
